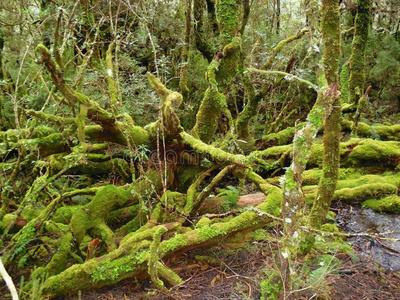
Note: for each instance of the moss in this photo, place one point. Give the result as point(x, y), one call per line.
point(177, 242)
point(376, 132)
point(132, 225)
point(244, 118)
point(220, 72)
point(344, 83)
point(64, 214)
point(313, 176)
point(389, 204)
point(79, 277)
point(208, 115)
point(227, 13)
point(174, 199)
point(330, 27)
point(331, 164)
point(112, 87)
point(216, 154)
point(379, 132)
point(389, 178)
point(280, 138)
point(273, 200)
point(29, 212)
point(168, 275)
point(14, 135)
point(123, 213)
point(203, 222)
point(372, 152)
point(330, 228)
point(9, 220)
point(154, 258)
point(359, 193)
point(281, 44)
point(186, 175)
point(95, 212)
point(357, 180)
point(82, 164)
point(357, 58)
point(59, 260)
point(353, 153)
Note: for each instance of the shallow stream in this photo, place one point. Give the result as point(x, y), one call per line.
point(380, 250)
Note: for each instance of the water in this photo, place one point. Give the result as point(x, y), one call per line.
point(373, 249)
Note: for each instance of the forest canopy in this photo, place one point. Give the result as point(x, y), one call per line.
point(139, 134)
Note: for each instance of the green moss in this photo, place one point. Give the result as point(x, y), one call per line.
point(313, 176)
point(9, 220)
point(64, 214)
point(29, 212)
point(94, 213)
point(208, 115)
point(59, 261)
point(79, 277)
point(154, 258)
point(330, 228)
point(362, 192)
point(169, 275)
point(379, 132)
point(216, 154)
point(282, 137)
point(330, 27)
point(389, 204)
point(203, 222)
point(344, 83)
point(370, 151)
point(210, 231)
point(393, 179)
point(172, 244)
point(227, 13)
point(187, 174)
point(357, 58)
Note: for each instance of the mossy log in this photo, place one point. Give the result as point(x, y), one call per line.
point(389, 204)
point(354, 153)
point(361, 188)
point(378, 132)
point(132, 256)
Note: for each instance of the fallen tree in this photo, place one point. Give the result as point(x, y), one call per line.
point(157, 201)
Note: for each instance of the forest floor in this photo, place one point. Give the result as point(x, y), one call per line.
point(238, 276)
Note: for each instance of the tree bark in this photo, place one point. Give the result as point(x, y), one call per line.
point(357, 58)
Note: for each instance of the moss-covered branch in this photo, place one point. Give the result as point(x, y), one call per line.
point(133, 255)
point(286, 75)
point(278, 48)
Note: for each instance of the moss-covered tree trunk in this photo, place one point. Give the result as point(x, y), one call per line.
point(221, 71)
point(200, 37)
point(293, 203)
point(278, 16)
point(357, 58)
point(186, 50)
point(2, 42)
point(331, 37)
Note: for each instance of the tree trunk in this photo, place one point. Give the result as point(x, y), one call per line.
point(357, 58)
